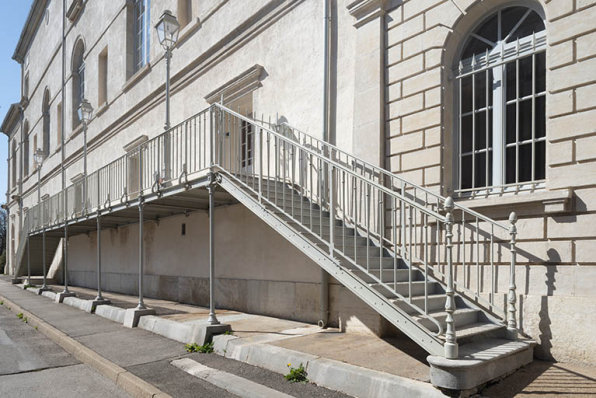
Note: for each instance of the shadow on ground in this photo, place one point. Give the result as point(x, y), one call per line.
point(546, 379)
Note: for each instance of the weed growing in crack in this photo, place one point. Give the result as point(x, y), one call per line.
point(297, 375)
point(204, 349)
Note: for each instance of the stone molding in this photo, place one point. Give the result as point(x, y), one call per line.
point(74, 10)
point(135, 143)
point(366, 10)
point(247, 81)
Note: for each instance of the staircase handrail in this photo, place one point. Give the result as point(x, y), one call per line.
point(380, 171)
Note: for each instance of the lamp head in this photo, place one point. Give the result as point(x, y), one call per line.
point(167, 30)
point(85, 111)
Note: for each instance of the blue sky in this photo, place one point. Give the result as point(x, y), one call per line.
point(15, 13)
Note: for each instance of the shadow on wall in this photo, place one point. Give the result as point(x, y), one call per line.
point(543, 351)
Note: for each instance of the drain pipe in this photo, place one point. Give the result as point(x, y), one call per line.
point(324, 317)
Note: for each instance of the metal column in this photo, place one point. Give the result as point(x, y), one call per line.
point(65, 260)
point(44, 286)
point(99, 297)
point(28, 262)
point(141, 305)
point(211, 188)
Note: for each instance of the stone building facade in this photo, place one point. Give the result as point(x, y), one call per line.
point(401, 74)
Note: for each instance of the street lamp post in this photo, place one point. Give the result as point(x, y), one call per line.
point(39, 158)
point(85, 112)
point(167, 32)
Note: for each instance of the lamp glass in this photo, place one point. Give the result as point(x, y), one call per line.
point(167, 29)
point(39, 156)
point(85, 111)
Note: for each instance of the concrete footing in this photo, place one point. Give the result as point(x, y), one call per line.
point(16, 281)
point(132, 316)
point(62, 295)
point(43, 289)
point(91, 305)
point(203, 334)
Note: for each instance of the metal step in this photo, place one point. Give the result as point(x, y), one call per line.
point(435, 302)
point(403, 288)
point(403, 275)
point(462, 316)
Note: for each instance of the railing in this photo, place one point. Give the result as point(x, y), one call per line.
point(430, 233)
point(478, 241)
point(151, 167)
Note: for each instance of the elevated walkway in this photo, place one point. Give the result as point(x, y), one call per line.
point(391, 243)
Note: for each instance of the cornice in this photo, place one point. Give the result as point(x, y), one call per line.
point(29, 29)
point(247, 81)
point(366, 10)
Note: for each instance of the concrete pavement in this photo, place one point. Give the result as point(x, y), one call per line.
point(142, 356)
point(33, 365)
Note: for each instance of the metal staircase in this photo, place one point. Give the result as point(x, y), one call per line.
point(420, 260)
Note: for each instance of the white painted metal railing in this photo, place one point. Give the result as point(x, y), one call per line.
point(338, 192)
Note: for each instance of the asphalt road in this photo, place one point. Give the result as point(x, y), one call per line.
point(31, 365)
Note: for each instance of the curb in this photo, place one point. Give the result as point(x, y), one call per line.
point(128, 382)
point(339, 376)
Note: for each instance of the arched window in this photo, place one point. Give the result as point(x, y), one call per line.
point(26, 149)
point(78, 81)
point(45, 112)
point(501, 84)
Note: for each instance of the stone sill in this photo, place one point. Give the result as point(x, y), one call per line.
point(188, 30)
point(74, 133)
point(553, 201)
point(102, 108)
point(134, 79)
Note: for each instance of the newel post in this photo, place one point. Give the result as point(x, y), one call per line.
point(451, 346)
point(512, 297)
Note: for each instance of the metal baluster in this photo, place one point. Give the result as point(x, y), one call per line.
point(512, 299)
point(367, 228)
point(451, 347)
point(425, 263)
point(394, 228)
point(410, 253)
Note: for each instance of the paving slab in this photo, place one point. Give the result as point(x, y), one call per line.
point(65, 382)
point(127, 347)
point(23, 349)
point(365, 351)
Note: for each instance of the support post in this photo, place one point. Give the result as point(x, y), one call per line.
point(512, 297)
point(28, 262)
point(141, 305)
point(99, 296)
point(211, 188)
point(65, 259)
point(133, 315)
point(451, 346)
point(65, 293)
point(43, 237)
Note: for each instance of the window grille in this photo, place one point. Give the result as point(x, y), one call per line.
point(501, 82)
point(141, 33)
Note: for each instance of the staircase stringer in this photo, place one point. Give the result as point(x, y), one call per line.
point(370, 296)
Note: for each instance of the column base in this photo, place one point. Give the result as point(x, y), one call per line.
point(92, 304)
point(62, 295)
point(203, 334)
point(43, 289)
point(132, 316)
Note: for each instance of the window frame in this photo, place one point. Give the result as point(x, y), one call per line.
point(141, 41)
point(496, 61)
